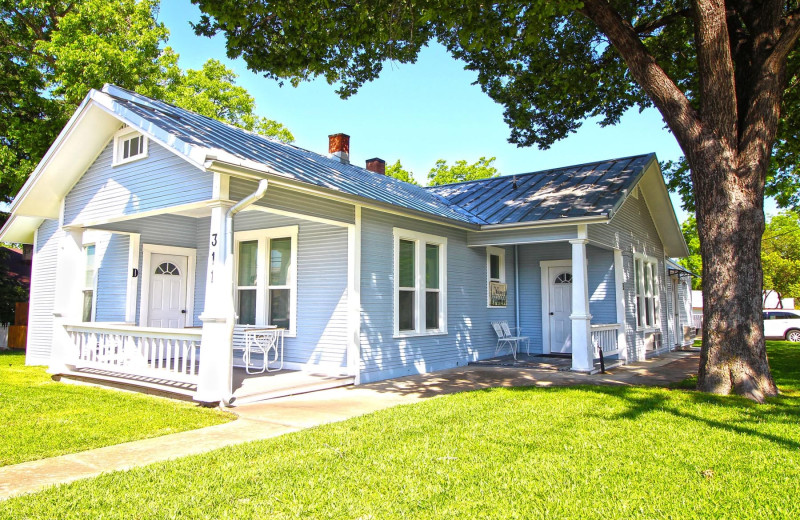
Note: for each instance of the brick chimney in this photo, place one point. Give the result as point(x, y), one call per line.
point(339, 147)
point(376, 165)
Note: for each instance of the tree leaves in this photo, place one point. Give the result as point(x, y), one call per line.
point(441, 173)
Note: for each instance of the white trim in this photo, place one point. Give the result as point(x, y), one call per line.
point(501, 252)
point(133, 286)
point(122, 136)
point(147, 251)
point(419, 239)
point(95, 276)
point(303, 216)
point(653, 262)
point(354, 296)
point(262, 271)
point(203, 204)
point(619, 290)
point(544, 269)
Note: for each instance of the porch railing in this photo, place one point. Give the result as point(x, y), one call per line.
point(169, 354)
point(604, 337)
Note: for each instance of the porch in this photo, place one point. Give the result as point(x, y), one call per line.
point(167, 362)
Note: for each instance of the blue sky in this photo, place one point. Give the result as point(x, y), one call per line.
point(417, 113)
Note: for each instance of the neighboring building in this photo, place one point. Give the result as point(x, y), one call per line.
point(371, 277)
point(16, 270)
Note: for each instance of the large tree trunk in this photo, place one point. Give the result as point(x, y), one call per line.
point(730, 222)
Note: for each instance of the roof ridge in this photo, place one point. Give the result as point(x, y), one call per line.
point(525, 174)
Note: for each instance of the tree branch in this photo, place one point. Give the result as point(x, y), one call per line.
point(789, 34)
point(681, 118)
point(662, 22)
point(718, 95)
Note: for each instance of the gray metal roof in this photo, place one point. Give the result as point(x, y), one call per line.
point(583, 190)
point(286, 160)
point(574, 191)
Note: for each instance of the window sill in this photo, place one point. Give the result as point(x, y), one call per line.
point(413, 334)
point(130, 160)
point(497, 306)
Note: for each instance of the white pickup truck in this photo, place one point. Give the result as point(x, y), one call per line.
point(783, 324)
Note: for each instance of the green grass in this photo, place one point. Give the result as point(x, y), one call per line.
point(41, 418)
point(582, 452)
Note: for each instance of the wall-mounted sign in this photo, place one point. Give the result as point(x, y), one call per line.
point(498, 294)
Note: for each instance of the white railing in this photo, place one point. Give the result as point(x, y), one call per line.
point(604, 337)
point(169, 354)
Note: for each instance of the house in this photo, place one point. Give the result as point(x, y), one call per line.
point(159, 235)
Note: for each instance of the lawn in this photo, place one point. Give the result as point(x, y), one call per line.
point(42, 418)
point(582, 452)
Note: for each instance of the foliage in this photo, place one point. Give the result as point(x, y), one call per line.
point(53, 51)
point(475, 455)
point(11, 291)
point(780, 253)
point(460, 171)
point(694, 261)
point(42, 418)
point(397, 171)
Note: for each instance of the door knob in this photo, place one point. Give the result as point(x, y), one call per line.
point(552, 313)
point(183, 311)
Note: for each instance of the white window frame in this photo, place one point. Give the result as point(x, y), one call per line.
point(644, 292)
point(496, 251)
point(420, 240)
point(93, 286)
point(119, 140)
point(263, 236)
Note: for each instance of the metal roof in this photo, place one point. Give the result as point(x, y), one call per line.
point(584, 190)
point(285, 160)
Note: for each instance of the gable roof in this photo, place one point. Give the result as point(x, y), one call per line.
point(584, 193)
point(285, 160)
point(583, 190)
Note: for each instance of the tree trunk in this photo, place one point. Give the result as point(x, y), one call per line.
point(730, 222)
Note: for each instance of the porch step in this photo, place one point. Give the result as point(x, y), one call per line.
point(147, 385)
point(293, 386)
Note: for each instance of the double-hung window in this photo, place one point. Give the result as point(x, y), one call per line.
point(647, 295)
point(89, 282)
point(420, 280)
point(266, 277)
point(129, 145)
point(496, 292)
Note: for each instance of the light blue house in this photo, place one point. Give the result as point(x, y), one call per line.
point(159, 235)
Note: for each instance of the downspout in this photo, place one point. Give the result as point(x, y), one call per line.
point(227, 261)
point(516, 287)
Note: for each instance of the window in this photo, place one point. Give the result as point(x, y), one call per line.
point(129, 145)
point(496, 277)
point(648, 307)
point(420, 283)
point(266, 277)
point(89, 283)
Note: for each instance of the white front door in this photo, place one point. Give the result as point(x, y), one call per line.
point(167, 305)
point(560, 308)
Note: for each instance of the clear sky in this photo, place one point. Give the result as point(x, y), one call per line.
point(417, 113)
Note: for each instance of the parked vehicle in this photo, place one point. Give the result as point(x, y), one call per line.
point(783, 324)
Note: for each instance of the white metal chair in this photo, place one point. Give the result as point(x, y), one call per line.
point(267, 341)
point(505, 338)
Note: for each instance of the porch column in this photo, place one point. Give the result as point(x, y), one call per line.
point(68, 298)
point(582, 355)
point(218, 317)
point(619, 278)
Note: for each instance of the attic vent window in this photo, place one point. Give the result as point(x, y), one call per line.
point(129, 145)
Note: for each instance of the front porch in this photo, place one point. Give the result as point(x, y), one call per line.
point(167, 362)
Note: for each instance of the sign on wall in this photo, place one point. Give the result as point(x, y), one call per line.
point(498, 294)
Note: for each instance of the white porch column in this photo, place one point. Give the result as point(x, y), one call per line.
point(354, 297)
point(218, 317)
point(619, 278)
point(582, 355)
point(68, 298)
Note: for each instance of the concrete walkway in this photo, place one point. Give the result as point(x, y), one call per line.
point(289, 414)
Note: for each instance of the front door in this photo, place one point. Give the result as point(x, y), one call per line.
point(560, 309)
point(167, 306)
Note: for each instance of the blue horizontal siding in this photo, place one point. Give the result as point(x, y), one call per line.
point(112, 277)
point(159, 181)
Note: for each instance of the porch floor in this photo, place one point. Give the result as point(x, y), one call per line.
point(557, 362)
point(249, 388)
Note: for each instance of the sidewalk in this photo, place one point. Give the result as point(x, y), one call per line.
point(289, 414)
